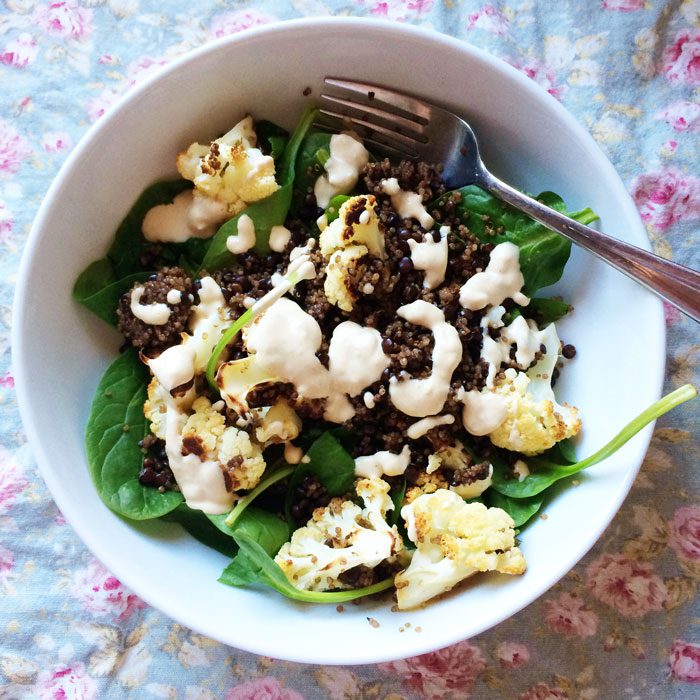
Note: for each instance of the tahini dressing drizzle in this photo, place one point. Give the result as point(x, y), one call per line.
point(383, 464)
point(348, 157)
point(426, 397)
point(502, 279)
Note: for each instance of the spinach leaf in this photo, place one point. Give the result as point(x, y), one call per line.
point(520, 509)
point(272, 139)
point(313, 154)
point(257, 566)
point(101, 284)
point(545, 311)
point(275, 475)
point(543, 253)
point(93, 290)
point(334, 467)
point(262, 526)
point(544, 473)
point(202, 529)
point(331, 463)
point(268, 212)
point(129, 244)
point(397, 495)
point(115, 427)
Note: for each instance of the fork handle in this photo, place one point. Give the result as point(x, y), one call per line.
point(678, 285)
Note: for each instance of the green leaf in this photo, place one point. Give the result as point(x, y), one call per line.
point(330, 462)
point(129, 243)
point(334, 466)
point(240, 507)
point(92, 291)
point(544, 473)
point(545, 311)
point(259, 567)
point(520, 509)
point(115, 426)
point(202, 529)
point(313, 154)
point(333, 208)
point(397, 495)
point(543, 253)
point(268, 212)
point(103, 282)
point(272, 139)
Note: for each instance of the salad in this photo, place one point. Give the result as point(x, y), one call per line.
point(334, 371)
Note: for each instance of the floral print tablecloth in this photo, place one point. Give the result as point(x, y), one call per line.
point(623, 624)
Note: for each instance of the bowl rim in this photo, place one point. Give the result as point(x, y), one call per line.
point(60, 494)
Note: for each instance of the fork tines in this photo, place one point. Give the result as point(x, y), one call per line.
point(389, 120)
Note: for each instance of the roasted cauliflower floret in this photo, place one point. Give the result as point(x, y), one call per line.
point(426, 482)
point(454, 540)
point(205, 434)
point(231, 170)
point(280, 423)
point(469, 480)
point(357, 225)
point(340, 537)
point(533, 423)
point(337, 285)
point(155, 408)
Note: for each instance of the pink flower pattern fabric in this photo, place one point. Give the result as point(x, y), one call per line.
point(621, 624)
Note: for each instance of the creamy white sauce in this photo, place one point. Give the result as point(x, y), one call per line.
point(174, 296)
point(152, 314)
point(502, 279)
point(207, 322)
point(527, 339)
point(174, 366)
point(245, 238)
point(493, 317)
point(292, 453)
point(521, 470)
point(178, 364)
point(285, 340)
point(205, 214)
point(430, 257)
point(190, 215)
point(383, 464)
point(483, 411)
point(301, 268)
point(338, 408)
point(476, 488)
point(355, 357)
point(300, 250)
point(368, 399)
point(521, 332)
point(347, 158)
point(279, 238)
point(408, 205)
point(202, 483)
point(426, 397)
point(421, 427)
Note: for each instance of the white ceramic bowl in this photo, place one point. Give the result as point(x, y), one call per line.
point(60, 350)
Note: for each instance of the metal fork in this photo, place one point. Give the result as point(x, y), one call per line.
point(404, 126)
